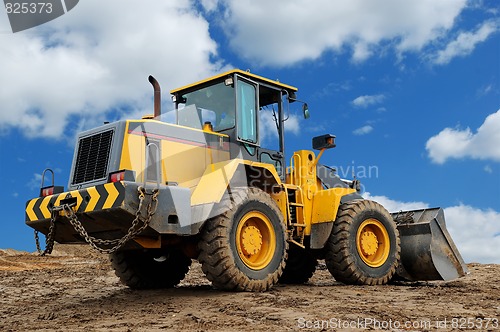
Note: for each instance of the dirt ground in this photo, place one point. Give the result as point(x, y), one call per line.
point(75, 289)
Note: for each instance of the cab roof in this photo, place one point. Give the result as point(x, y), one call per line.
point(247, 74)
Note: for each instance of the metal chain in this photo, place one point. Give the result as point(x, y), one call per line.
point(49, 239)
point(96, 243)
point(37, 242)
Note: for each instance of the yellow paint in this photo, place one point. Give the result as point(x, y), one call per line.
point(320, 205)
point(216, 178)
point(373, 243)
point(208, 172)
point(315, 162)
point(207, 127)
point(281, 199)
point(59, 198)
point(29, 210)
point(325, 204)
point(242, 73)
point(251, 240)
point(94, 198)
point(214, 182)
point(133, 152)
point(302, 173)
point(79, 199)
point(255, 240)
point(182, 162)
point(169, 125)
point(113, 195)
point(44, 208)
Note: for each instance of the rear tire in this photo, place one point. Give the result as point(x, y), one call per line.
point(300, 266)
point(364, 247)
point(150, 269)
point(244, 248)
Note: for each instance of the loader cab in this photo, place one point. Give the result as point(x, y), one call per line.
point(248, 108)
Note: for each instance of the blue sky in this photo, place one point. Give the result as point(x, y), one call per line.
point(411, 89)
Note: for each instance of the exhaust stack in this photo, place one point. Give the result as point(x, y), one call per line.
point(157, 96)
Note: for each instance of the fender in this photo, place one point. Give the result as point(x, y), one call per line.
point(324, 212)
point(218, 177)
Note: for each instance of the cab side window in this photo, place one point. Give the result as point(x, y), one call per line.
point(247, 112)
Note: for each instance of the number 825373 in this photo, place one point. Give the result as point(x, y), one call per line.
point(28, 7)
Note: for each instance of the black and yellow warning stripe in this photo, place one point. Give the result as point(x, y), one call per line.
point(100, 197)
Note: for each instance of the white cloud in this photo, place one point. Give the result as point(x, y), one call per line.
point(456, 143)
point(465, 43)
point(484, 90)
point(282, 33)
point(368, 100)
point(361, 52)
point(35, 182)
point(292, 125)
point(476, 232)
point(96, 59)
point(332, 88)
point(393, 205)
point(268, 132)
point(83, 66)
point(209, 5)
point(488, 169)
point(363, 130)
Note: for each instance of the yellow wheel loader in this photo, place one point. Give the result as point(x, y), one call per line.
point(199, 182)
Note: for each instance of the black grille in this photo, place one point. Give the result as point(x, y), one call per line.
point(92, 159)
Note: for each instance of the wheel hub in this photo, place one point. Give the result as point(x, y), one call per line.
point(373, 243)
point(251, 240)
point(369, 243)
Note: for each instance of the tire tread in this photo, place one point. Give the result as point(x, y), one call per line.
point(340, 258)
point(216, 257)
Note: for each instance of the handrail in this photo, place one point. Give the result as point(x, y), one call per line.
point(293, 170)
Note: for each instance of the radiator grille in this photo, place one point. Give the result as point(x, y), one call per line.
point(92, 158)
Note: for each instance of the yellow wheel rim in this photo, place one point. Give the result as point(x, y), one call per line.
point(255, 240)
point(373, 243)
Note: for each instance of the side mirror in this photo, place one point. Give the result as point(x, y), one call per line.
point(305, 110)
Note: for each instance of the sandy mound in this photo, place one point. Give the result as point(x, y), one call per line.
point(76, 290)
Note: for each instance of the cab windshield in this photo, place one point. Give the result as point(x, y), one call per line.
point(214, 104)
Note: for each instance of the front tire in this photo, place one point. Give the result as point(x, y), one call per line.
point(364, 247)
point(244, 248)
point(150, 269)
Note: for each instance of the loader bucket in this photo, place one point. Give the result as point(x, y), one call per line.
point(427, 249)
